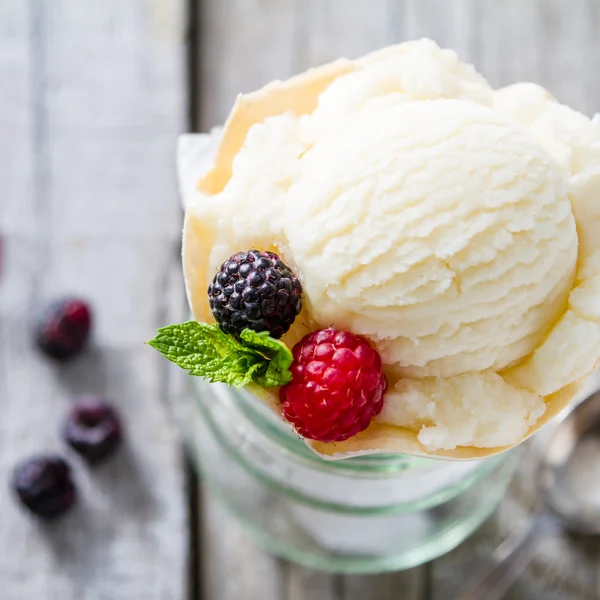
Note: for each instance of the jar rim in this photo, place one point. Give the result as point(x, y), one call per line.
point(439, 497)
point(281, 434)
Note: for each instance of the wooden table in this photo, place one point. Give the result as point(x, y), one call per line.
point(93, 95)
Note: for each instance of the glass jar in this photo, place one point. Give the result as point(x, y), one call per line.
point(359, 515)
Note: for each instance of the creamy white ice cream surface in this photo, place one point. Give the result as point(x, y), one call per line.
point(455, 226)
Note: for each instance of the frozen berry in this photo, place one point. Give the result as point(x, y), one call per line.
point(93, 429)
point(63, 328)
point(337, 387)
point(44, 485)
point(255, 290)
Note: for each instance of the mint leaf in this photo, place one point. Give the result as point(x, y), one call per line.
point(278, 370)
point(206, 351)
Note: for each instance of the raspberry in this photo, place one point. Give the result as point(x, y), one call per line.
point(93, 429)
point(337, 387)
point(63, 328)
point(44, 485)
point(255, 290)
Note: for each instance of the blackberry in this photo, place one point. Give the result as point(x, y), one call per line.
point(255, 290)
point(44, 485)
point(93, 429)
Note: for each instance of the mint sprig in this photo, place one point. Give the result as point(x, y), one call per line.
point(278, 354)
point(206, 351)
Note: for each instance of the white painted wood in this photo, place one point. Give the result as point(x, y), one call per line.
point(233, 567)
point(442, 21)
point(550, 42)
point(244, 44)
point(92, 99)
point(16, 120)
point(328, 30)
point(408, 585)
point(307, 584)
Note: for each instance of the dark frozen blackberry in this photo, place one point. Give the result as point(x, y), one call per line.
point(255, 290)
point(63, 328)
point(93, 429)
point(44, 485)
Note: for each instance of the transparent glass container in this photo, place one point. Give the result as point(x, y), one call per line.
point(359, 515)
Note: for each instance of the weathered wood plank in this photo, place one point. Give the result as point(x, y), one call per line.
point(244, 44)
point(94, 100)
point(16, 117)
point(326, 31)
point(233, 567)
point(549, 42)
point(408, 585)
point(307, 584)
point(570, 50)
point(435, 19)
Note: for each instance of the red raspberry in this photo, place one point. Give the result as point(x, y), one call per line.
point(337, 387)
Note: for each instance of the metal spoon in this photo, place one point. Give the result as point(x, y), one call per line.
point(569, 485)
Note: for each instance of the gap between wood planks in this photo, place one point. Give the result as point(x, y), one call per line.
point(192, 479)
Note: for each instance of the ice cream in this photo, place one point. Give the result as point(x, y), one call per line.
point(452, 225)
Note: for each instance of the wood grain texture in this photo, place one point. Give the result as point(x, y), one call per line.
point(408, 585)
point(232, 566)
point(244, 44)
point(306, 584)
point(92, 99)
point(326, 31)
point(553, 43)
point(16, 117)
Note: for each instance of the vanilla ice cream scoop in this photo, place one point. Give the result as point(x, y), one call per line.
point(453, 226)
point(439, 229)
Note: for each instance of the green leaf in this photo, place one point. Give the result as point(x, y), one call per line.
point(278, 371)
point(206, 351)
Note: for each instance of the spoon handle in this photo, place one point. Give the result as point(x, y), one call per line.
point(493, 583)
